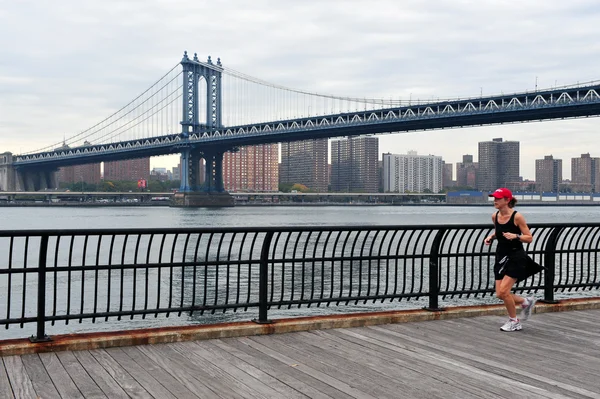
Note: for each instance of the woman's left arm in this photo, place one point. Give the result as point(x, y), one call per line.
point(525, 235)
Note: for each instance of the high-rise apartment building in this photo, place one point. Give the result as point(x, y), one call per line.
point(201, 171)
point(466, 172)
point(354, 165)
point(176, 171)
point(585, 172)
point(252, 168)
point(548, 174)
point(412, 173)
point(305, 162)
point(447, 175)
point(87, 173)
point(127, 170)
point(498, 164)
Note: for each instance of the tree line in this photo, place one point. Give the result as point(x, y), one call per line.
point(153, 186)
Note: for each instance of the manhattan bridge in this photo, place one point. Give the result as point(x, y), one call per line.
point(202, 110)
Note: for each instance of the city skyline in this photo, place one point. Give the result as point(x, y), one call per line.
point(72, 69)
point(354, 168)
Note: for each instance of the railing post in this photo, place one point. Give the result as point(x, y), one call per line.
point(434, 271)
point(41, 297)
point(550, 266)
point(263, 281)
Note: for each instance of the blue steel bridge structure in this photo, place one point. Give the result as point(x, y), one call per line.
point(202, 110)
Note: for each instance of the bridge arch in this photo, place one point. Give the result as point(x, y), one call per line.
point(198, 74)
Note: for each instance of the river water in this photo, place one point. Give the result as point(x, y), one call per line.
point(148, 217)
point(20, 218)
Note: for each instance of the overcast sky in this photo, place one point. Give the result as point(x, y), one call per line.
point(65, 65)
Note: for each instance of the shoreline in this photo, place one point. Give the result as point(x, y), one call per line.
point(270, 204)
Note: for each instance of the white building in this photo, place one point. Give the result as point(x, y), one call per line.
point(412, 173)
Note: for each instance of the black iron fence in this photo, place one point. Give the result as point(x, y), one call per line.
point(50, 276)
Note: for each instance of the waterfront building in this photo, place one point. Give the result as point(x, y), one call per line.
point(548, 174)
point(354, 165)
point(412, 173)
point(87, 173)
point(447, 175)
point(466, 172)
point(161, 174)
point(585, 172)
point(498, 164)
point(305, 162)
point(127, 170)
point(252, 168)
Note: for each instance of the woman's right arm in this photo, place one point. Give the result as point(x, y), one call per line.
point(488, 240)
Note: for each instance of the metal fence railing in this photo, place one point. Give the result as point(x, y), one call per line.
point(50, 276)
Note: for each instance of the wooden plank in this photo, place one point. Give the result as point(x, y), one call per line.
point(5, 389)
point(18, 377)
point(531, 347)
point(589, 318)
point(127, 383)
point(278, 388)
point(527, 351)
point(351, 365)
point(145, 379)
point(61, 379)
point(521, 377)
point(429, 364)
point(209, 369)
point(161, 375)
point(205, 373)
point(319, 372)
point(285, 373)
point(303, 373)
point(561, 356)
point(42, 383)
point(214, 365)
point(374, 373)
point(104, 381)
point(86, 385)
point(415, 372)
point(556, 355)
point(179, 369)
point(503, 379)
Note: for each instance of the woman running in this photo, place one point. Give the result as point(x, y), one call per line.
point(511, 231)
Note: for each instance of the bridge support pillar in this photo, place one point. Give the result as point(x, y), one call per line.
point(191, 192)
point(8, 176)
point(190, 167)
point(29, 179)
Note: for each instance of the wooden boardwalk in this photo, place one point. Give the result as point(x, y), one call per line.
point(557, 355)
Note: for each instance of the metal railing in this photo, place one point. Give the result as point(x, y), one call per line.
point(50, 276)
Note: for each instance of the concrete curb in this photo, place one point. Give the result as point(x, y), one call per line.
point(89, 341)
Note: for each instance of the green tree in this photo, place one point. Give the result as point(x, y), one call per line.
point(285, 187)
point(107, 186)
point(300, 188)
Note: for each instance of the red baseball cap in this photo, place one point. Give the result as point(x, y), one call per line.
point(502, 193)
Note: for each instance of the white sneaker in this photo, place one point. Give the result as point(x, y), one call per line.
point(511, 325)
point(526, 312)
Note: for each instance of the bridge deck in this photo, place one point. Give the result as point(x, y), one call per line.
point(556, 355)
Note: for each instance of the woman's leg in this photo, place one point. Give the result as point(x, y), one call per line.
point(518, 299)
point(503, 288)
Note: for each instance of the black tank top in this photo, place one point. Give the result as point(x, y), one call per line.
point(506, 245)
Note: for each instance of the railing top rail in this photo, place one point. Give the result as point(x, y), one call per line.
point(264, 229)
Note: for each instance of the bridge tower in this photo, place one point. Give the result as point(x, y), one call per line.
point(193, 71)
point(7, 173)
point(190, 192)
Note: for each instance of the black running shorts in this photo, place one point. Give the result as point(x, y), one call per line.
point(512, 264)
